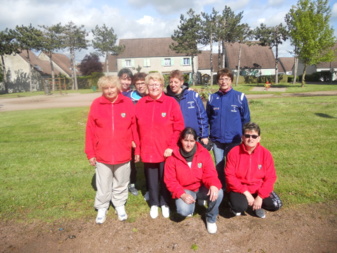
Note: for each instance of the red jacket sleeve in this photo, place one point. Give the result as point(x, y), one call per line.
point(233, 183)
point(178, 124)
point(270, 177)
point(90, 134)
point(170, 178)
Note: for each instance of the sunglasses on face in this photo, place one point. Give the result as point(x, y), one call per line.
point(248, 136)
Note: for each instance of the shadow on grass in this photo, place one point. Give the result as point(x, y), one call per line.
point(323, 115)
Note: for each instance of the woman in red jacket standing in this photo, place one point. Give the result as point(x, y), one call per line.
point(111, 129)
point(250, 175)
point(190, 174)
point(159, 121)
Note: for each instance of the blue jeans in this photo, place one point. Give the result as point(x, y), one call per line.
point(220, 151)
point(213, 206)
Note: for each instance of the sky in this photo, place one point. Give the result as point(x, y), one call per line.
point(139, 18)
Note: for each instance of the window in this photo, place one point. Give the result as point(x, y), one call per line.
point(167, 62)
point(147, 63)
point(127, 63)
point(186, 61)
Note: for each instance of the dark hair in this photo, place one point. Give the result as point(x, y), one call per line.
point(188, 131)
point(126, 71)
point(225, 72)
point(138, 76)
point(251, 126)
point(177, 74)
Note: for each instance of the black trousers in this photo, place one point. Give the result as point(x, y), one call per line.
point(158, 193)
point(239, 203)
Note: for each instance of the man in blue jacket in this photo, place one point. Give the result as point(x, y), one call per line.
point(191, 105)
point(227, 111)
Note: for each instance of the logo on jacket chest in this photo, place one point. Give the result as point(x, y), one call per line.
point(123, 114)
point(190, 105)
point(259, 166)
point(199, 165)
point(163, 114)
point(234, 107)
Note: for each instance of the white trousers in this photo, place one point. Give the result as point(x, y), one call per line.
point(112, 184)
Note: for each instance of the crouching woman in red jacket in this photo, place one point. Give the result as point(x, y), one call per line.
point(190, 174)
point(111, 129)
point(250, 175)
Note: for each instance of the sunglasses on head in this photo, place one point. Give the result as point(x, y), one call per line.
point(248, 136)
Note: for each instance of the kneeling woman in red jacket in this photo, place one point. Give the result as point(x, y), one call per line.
point(190, 174)
point(250, 175)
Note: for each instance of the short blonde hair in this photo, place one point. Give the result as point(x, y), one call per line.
point(156, 76)
point(106, 81)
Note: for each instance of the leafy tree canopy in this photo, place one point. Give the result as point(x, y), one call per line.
point(90, 64)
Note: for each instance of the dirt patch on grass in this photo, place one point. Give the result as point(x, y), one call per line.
point(306, 228)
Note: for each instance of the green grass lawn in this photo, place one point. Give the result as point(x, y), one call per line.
point(45, 174)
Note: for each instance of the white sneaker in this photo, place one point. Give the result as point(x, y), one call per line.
point(211, 227)
point(121, 213)
point(146, 196)
point(154, 212)
point(101, 215)
point(165, 210)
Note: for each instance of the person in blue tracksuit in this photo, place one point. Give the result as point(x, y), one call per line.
point(191, 105)
point(227, 111)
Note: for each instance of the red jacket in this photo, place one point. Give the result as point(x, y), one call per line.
point(179, 176)
point(110, 130)
point(250, 172)
point(159, 124)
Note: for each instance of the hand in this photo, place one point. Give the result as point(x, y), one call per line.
point(137, 158)
point(133, 144)
point(168, 152)
point(249, 197)
point(257, 203)
point(204, 140)
point(213, 193)
point(92, 161)
point(187, 198)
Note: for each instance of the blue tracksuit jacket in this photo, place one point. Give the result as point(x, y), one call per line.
point(227, 113)
point(193, 111)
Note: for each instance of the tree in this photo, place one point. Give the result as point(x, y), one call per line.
point(90, 64)
point(187, 37)
point(74, 40)
point(310, 32)
point(52, 40)
point(227, 31)
point(244, 35)
point(105, 42)
point(272, 37)
point(29, 38)
point(7, 47)
point(208, 33)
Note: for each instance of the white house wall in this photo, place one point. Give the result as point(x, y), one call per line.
point(156, 64)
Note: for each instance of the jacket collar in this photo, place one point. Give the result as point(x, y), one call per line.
point(243, 147)
point(160, 100)
point(104, 100)
point(224, 93)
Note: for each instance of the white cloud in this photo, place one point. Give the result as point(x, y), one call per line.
point(334, 11)
point(275, 2)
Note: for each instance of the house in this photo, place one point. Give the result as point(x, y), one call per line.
point(255, 60)
point(327, 70)
point(112, 68)
point(153, 54)
point(18, 69)
point(61, 63)
point(286, 65)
